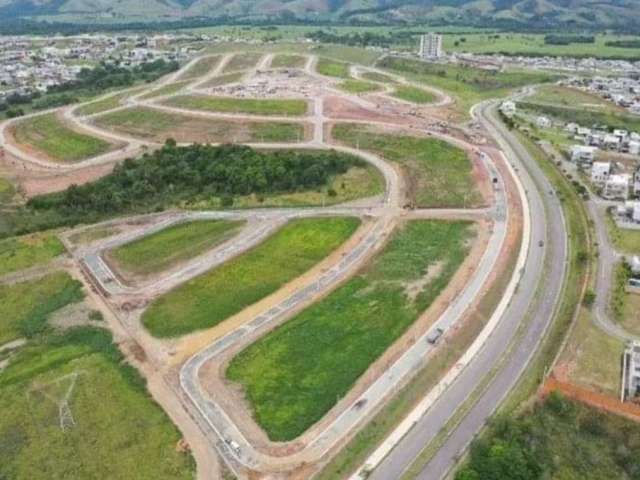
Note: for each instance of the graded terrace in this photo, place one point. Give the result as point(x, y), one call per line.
point(295, 374)
point(254, 106)
point(437, 174)
point(215, 296)
point(51, 137)
point(171, 246)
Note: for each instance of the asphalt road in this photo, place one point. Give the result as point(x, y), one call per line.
point(547, 224)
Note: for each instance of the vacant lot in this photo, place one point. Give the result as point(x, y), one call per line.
point(49, 135)
point(216, 295)
point(200, 68)
point(24, 307)
point(413, 94)
point(358, 86)
point(103, 105)
point(571, 97)
point(356, 183)
point(168, 89)
point(437, 174)
point(631, 315)
point(332, 68)
point(624, 240)
point(24, 252)
point(295, 374)
point(178, 243)
point(256, 106)
point(158, 126)
point(243, 61)
point(7, 191)
point(115, 430)
point(470, 85)
point(586, 117)
point(224, 79)
point(288, 61)
point(378, 77)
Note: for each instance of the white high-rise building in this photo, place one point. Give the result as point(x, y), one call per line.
point(430, 46)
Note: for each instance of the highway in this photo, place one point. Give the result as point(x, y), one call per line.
point(547, 224)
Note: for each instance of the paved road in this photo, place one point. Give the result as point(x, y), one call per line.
point(379, 390)
point(543, 206)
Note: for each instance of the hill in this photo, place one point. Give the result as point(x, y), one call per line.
point(536, 14)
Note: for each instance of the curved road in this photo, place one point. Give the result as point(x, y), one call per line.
point(547, 224)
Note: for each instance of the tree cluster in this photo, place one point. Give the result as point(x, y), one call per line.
point(175, 174)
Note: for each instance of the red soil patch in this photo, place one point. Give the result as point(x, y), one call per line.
point(339, 108)
point(597, 400)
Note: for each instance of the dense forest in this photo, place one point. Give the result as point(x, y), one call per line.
point(558, 439)
point(173, 175)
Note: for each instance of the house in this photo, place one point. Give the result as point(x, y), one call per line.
point(508, 108)
point(617, 186)
point(571, 128)
point(635, 212)
point(636, 182)
point(595, 139)
point(600, 172)
point(583, 155)
point(543, 122)
point(631, 371)
point(611, 142)
point(634, 263)
point(633, 147)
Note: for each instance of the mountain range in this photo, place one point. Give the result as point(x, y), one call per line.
point(536, 13)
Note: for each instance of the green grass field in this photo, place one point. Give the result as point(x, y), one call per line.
point(295, 374)
point(288, 61)
point(437, 174)
point(631, 315)
point(378, 77)
point(103, 105)
point(168, 89)
point(560, 95)
point(358, 86)
point(173, 245)
point(624, 240)
point(469, 85)
point(200, 68)
point(47, 134)
point(224, 79)
point(224, 291)
point(333, 68)
point(528, 43)
point(19, 253)
point(119, 431)
point(7, 190)
point(241, 105)
point(356, 183)
point(156, 125)
point(413, 94)
point(242, 61)
point(585, 117)
point(24, 307)
point(92, 234)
